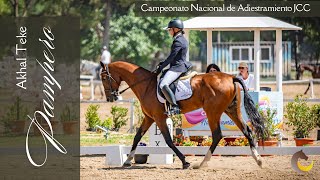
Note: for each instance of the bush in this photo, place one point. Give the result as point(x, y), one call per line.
point(107, 123)
point(299, 117)
point(268, 114)
point(92, 117)
point(315, 114)
point(119, 117)
point(138, 113)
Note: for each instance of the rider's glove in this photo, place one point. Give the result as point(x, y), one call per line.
point(158, 70)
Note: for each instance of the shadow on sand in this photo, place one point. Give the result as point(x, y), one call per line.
point(129, 168)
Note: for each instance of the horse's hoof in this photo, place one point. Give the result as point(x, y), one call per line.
point(126, 165)
point(198, 166)
point(259, 162)
point(186, 165)
point(205, 164)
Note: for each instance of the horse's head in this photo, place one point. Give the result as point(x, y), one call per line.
point(302, 155)
point(111, 82)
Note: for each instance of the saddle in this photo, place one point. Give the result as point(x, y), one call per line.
point(180, 87)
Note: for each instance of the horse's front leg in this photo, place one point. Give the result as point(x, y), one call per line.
point(142, 130)
point(166, 134)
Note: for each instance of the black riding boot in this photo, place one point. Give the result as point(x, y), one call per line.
point(171, 99)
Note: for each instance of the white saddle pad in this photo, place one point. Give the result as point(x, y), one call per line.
point(183, 91)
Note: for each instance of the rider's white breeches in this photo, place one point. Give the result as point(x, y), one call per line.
point(169, 77)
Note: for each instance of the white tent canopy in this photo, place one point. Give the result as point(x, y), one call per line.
point(255, 24)
point(237, 23)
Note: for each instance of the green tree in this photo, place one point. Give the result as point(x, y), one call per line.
point(5, 7)
point(136, 39)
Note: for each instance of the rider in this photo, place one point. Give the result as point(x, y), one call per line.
point(105, 59)
point(177, 61)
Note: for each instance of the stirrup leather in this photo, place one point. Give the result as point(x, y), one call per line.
point(171, 110)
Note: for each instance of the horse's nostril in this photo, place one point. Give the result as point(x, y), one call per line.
point(108, 99)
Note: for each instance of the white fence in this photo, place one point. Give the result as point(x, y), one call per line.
point(311, 81)
point(116, 155)
point(87, 80)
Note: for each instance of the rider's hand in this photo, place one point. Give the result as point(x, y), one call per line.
point(158, 70)
point(160, 64)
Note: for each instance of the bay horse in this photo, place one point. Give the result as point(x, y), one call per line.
point(216, 92)
point(314, 69)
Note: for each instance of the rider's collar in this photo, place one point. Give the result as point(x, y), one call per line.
point(178, 34)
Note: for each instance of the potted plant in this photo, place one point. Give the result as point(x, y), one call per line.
point(240, 141)
point(299, 117)
point(177, 123)
point(188, 142)
point(178, 139)
point(14, 120)
point(230, 139)
point(208, 141)
point(315, 114)
point(270, 127)
point(69, 120)
point(42, 122)
point(141, 158)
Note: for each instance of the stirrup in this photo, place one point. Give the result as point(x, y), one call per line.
point(171, 110)
point(175, 110)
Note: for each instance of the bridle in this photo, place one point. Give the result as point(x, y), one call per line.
point(114, 92)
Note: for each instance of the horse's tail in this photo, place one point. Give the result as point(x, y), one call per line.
point(256, 119)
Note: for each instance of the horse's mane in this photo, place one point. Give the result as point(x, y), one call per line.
point(133, 68)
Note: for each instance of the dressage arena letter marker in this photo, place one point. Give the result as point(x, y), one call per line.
point(158, 132)
point(156, 139)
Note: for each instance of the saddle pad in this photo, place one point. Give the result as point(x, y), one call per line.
point(183, 91)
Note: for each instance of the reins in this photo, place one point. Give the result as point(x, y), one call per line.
point(110, 77)
point(135, 84)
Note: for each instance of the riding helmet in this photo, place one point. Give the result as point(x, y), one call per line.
point(175, 23)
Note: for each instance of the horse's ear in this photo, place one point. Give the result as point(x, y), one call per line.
point(103, 66)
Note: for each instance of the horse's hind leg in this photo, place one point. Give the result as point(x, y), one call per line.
point(142, 130)
point(234, 113)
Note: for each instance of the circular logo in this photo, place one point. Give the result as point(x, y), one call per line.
point(297, 166)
